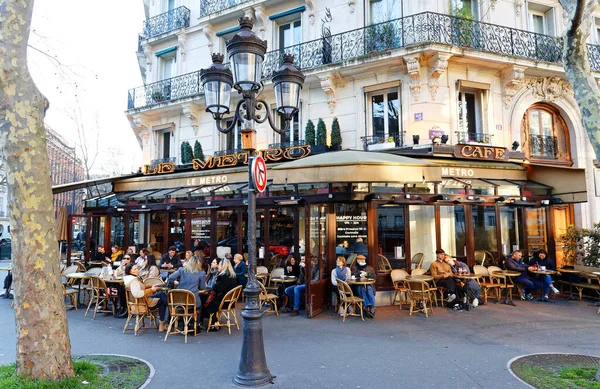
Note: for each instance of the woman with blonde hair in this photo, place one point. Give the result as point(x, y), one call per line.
point(225, 281)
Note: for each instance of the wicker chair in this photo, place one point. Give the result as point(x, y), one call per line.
point(486, 282)
point(138, 308)
point(100, 298)
point(226, 310)
point(383, 264)
point(276, 273)
point(347, 299)
point(419, 295)
point(433, 289)
point(71, 293)
point(80, 266)
point(416, 261)
point(489, 259)
point(270, 298)
point(182, 305)
point(262, 270)
point(153, 281)
point(275, 260)
point(501, 280)
point(398, 279)
point(479, 257)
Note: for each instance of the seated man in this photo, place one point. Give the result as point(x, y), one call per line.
point(295, 291)
point(7, 286)
point(543, 262)
point(515, 263)
point(170, 260)
point(470, 287)
point(360, 269)
point(442, 274)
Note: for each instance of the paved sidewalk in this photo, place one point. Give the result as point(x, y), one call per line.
point(447, 350)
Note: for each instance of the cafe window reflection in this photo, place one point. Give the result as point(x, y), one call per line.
point(422, 232)
point(484, 229)
point(390, 232)
point(453, 231)
point(509, 229)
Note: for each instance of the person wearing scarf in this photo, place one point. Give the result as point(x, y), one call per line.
point(341, 272)
point(361, 269)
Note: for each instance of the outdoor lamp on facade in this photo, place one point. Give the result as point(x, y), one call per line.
point(246, 55)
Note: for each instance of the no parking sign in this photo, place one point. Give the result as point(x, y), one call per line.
point(259, 173)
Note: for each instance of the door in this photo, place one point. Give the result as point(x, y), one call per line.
point(317, 246)
point(562, 216)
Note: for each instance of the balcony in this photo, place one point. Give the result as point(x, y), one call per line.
point(543, 146)
point(375, 143)
point(284, 145)
point(469, 137)
point(229, 152)
point(209, 7)
point(407, 32)
point(165, 22)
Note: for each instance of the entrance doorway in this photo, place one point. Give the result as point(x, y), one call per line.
point(317, 246)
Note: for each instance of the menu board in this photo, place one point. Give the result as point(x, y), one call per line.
point(350, 227)
point(201, 229)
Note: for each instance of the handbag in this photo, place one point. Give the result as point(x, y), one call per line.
point(211, 296)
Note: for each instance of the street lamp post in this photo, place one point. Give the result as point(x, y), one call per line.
point(246, 54)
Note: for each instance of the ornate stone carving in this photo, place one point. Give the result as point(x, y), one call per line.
point(141, 130)
point(518, 6)
point(437, 67)
point(329, 82)
point(351, 4)
point(189, 112)
point(261, 20)
point(511, 82)
point(548, 88)
point(493, 4)
point(413, 68)
point(311, 11)
point(209, 34)
point(181, 43)
point(148, 52)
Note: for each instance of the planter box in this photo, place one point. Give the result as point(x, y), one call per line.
point(334, 148)
point(381, 146)
point(318, 149)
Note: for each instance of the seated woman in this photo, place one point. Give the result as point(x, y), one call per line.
point(292, 269)
point(542, 261)
point(224, 282)
point(341, 272)
point(149, 268)
point(211, 276)
point(188, 255)
point(119, 273)
point(295, 291)
point(116, 253)
point(138, 290)
point(361, 269)
point(191, 277)
point(240, 270)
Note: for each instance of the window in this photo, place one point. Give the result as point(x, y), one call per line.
point(384, 10)
point(541, 20)
point(472, 111)
point(232, 141)
point(165, 144)
point(596, 31)
point(224, 37)
point(384, 113)
point(544, 134)
point(466, 8)
point(293, 135)
point(290, 34)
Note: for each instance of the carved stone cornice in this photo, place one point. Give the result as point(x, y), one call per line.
point(511, 79)
point(181, 44)
point(311, 11)
point(329, 83)
point(261, 20)
point(191, 113)
point(437, 67)
point(518, 6)
point(413, 68)
point(141, 129)
point(548, 88)
point(209, 34)
point(148, 53)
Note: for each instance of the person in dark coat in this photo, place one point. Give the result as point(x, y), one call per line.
point(170, 260)
point(226, 280)
point(241, 270)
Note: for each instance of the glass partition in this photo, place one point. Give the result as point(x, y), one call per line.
point(451, 186)
point(137, 231)
point(78, 237)
point(479, 187)
point(351, 229)
point(422, 232)
point(484, 229)
point(97, 236)
point(535, 232)
point(157, 232)
point(281, 230)
point(453, 231)
point(509, 229)
point(390, 232)
point(200, 229)
point(176, 230)
point(117, 231)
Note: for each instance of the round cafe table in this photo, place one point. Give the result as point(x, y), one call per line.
point(285, 279)
point(361, 281)
point(570, 272)
point(544, 272)
point(467, 276)
point(419, 277)
point(506, 274)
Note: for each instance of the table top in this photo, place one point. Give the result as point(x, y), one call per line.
point(467, 276)
point(550, 272)
point(79, 275)
point(114, 281)
point(6, 268)
point(508, 273)
point(161, 287)
point(204, 291)
point(570, 271)
point(286, 279)
point(419, 277)
point(361, 281)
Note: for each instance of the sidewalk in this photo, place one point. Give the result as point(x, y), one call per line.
point(447, 350)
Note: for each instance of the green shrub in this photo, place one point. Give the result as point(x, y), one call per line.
point(309, 133)
point(321, 133)
point(336, 134)
point(198, 153)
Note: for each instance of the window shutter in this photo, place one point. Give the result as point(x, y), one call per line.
point(550, 28)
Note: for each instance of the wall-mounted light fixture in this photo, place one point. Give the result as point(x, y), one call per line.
point(515, 145)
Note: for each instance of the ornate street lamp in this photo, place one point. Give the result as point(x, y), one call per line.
point(246, 54)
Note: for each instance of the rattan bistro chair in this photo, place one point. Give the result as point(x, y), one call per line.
point(226, 310)
point(71, 293)
point(398, 279)
point(383, 264)
point(486, 282)
point(347, 300)
point(416, 261)
point(501, 280)
point(138, 308)
point(100, 298)
point(276, 273)
point(269, 298)
point(182, 305)
point(420, 296)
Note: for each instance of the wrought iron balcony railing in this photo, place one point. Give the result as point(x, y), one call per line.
point(154, 163)
point(466, 137)
point(394, 140)
point(228, 152)
point(209, 7)
point(165, 22)
point(413, 30)
point(544, 146)
point(284, 145)
point(140, 49)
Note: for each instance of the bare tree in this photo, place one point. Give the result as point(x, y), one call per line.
point(577, 66)
point(43, 346)
point(88, 138)
point(114, 163)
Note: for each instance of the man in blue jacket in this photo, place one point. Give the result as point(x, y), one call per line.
point(515, 263)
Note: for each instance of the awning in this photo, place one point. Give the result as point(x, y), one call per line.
point(473, 169)
point(568, 184)
point(355, 166)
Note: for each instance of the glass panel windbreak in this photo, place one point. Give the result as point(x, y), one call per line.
point(388, 187)
point(227, 234)
point(535, 232)
point(509, 229)
point(157, 232)
point(97, 236)
point(535, 189)
point(453, 231)
point(506, 188)
point(317, 188)
point(137, 231)
point(479, 187)
point(451, 186)
point(117, 232)
point(484, 229)
point(318, 234)
point(390, 232)
point(177, 230)
point(79, 236)
point(200, 234)
point(422, 232)
point(351, 228)
point(281, 230)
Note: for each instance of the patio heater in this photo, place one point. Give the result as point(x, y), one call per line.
point(246, 55)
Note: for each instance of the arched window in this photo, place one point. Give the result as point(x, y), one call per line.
point(545, 136)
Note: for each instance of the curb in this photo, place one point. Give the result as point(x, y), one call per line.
point(152, 370)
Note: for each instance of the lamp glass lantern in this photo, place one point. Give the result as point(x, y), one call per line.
point(246, 54)
point(217, 81)
point(287, 82)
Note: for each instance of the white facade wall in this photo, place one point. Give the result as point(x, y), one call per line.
point(339, 90)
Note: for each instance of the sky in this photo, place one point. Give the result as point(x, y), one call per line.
point(82, 57)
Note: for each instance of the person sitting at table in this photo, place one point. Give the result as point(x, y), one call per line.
point(224, 282)
point(292, 269)
point(126, 260)
point(135, 284)
point(188, 254)
point(543, 261)
point(294, 292)
point(142, 257)
point(360, 269)
point(116, 253)
point(340, 249)
point(170, 260)
point(212, 274)
point(100, 254)
point(470, 287)
point(149, 268)
point(131, 252)
point(191, 277)
point(341, 272)
point(515, 263)
point(442, 274)
point(240, 270)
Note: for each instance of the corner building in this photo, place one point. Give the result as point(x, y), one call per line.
point(459, 131)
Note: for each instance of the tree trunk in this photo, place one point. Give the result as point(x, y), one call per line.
point(577, 67)
point(43, 346)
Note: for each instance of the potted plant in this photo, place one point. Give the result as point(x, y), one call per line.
point(336, 136)
point(321, 138)
point(309, 133)
point(385, 143)
point(157, 96)
point(198, 153)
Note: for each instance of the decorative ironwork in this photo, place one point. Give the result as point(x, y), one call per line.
point(285, 145)
point(229, 152)
point(208, 7)
point(544, 145)
point(326, 36)
point(165, 22)
point(140, 38)
point(466, 137)
point(414, 30)
point(154, 163)
point(396, 139)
